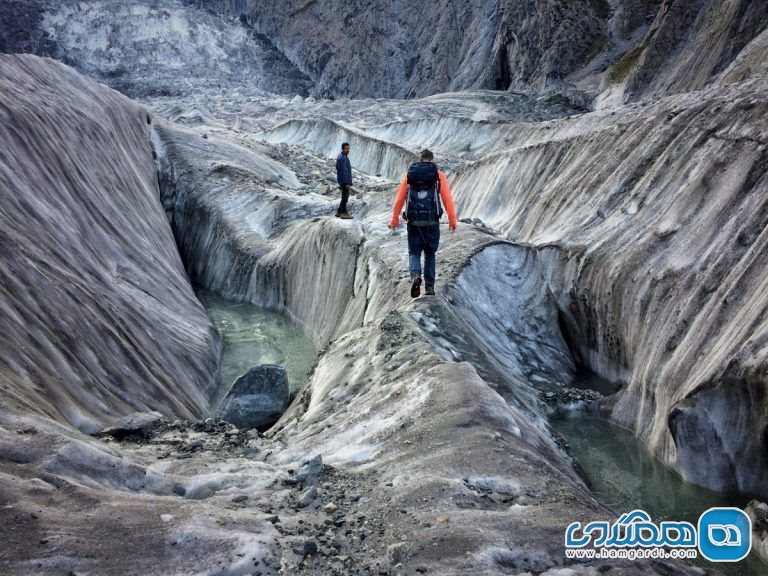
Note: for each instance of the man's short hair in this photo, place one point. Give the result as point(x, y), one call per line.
point(426, 155)
point(344, 144)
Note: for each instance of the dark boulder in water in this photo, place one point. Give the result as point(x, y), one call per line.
point(258, 398)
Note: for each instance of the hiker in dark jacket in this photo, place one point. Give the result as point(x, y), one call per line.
point(344, 178)
point(426, 190)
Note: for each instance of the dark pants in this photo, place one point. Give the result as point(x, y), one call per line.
point(423, 239)
point(344, 197)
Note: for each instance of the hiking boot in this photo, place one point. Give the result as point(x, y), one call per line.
point(416, 287)
point(345, 216)
point(430, 291)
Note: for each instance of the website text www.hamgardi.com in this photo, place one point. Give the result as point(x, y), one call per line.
point(631, 554)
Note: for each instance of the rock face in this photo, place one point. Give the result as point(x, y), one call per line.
point(687, 46)
point(624, 50)
point(385, 49)
point(611, 52)
point(257, 398)
point(97, 318)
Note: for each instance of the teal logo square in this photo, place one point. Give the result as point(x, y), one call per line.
point(725, 534)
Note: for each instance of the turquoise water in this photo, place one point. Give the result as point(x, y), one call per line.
point(624, 476)
point(253, 336)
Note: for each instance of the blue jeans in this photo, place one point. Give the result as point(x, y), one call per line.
point(423, 239)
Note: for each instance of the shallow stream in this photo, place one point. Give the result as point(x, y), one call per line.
point(253, 336)
point(624, 476)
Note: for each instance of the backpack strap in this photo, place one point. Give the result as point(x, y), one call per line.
point(438, 201)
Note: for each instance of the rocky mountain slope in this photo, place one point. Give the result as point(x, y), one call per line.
point(594, 52)
point(687, 47)
point(620, 50)
point(387, 49)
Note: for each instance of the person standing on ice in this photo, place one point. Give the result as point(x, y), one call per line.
point(344, 178)
point(424, 190)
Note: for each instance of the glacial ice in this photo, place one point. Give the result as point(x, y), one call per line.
point(100, 282)
point(607, 247)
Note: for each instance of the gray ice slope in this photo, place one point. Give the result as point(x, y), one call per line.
point(653, 221)
point(97, 316)
point(158, 48)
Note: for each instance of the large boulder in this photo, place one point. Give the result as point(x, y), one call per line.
point(257, 398)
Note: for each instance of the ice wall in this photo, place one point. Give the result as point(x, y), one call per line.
point(371, 154)
point(503, 295)
point(657, 218)
point(250, 239)
point(97, 316)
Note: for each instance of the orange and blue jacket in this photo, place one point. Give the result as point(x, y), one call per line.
point(445, 196)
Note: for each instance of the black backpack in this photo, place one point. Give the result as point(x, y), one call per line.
point(424, 207)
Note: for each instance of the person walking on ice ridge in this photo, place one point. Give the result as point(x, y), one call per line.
point(424, 190)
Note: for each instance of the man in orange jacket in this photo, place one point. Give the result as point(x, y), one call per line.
point(425, 189)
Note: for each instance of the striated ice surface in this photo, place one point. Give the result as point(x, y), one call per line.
point(97, 317)
point(629, 241)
